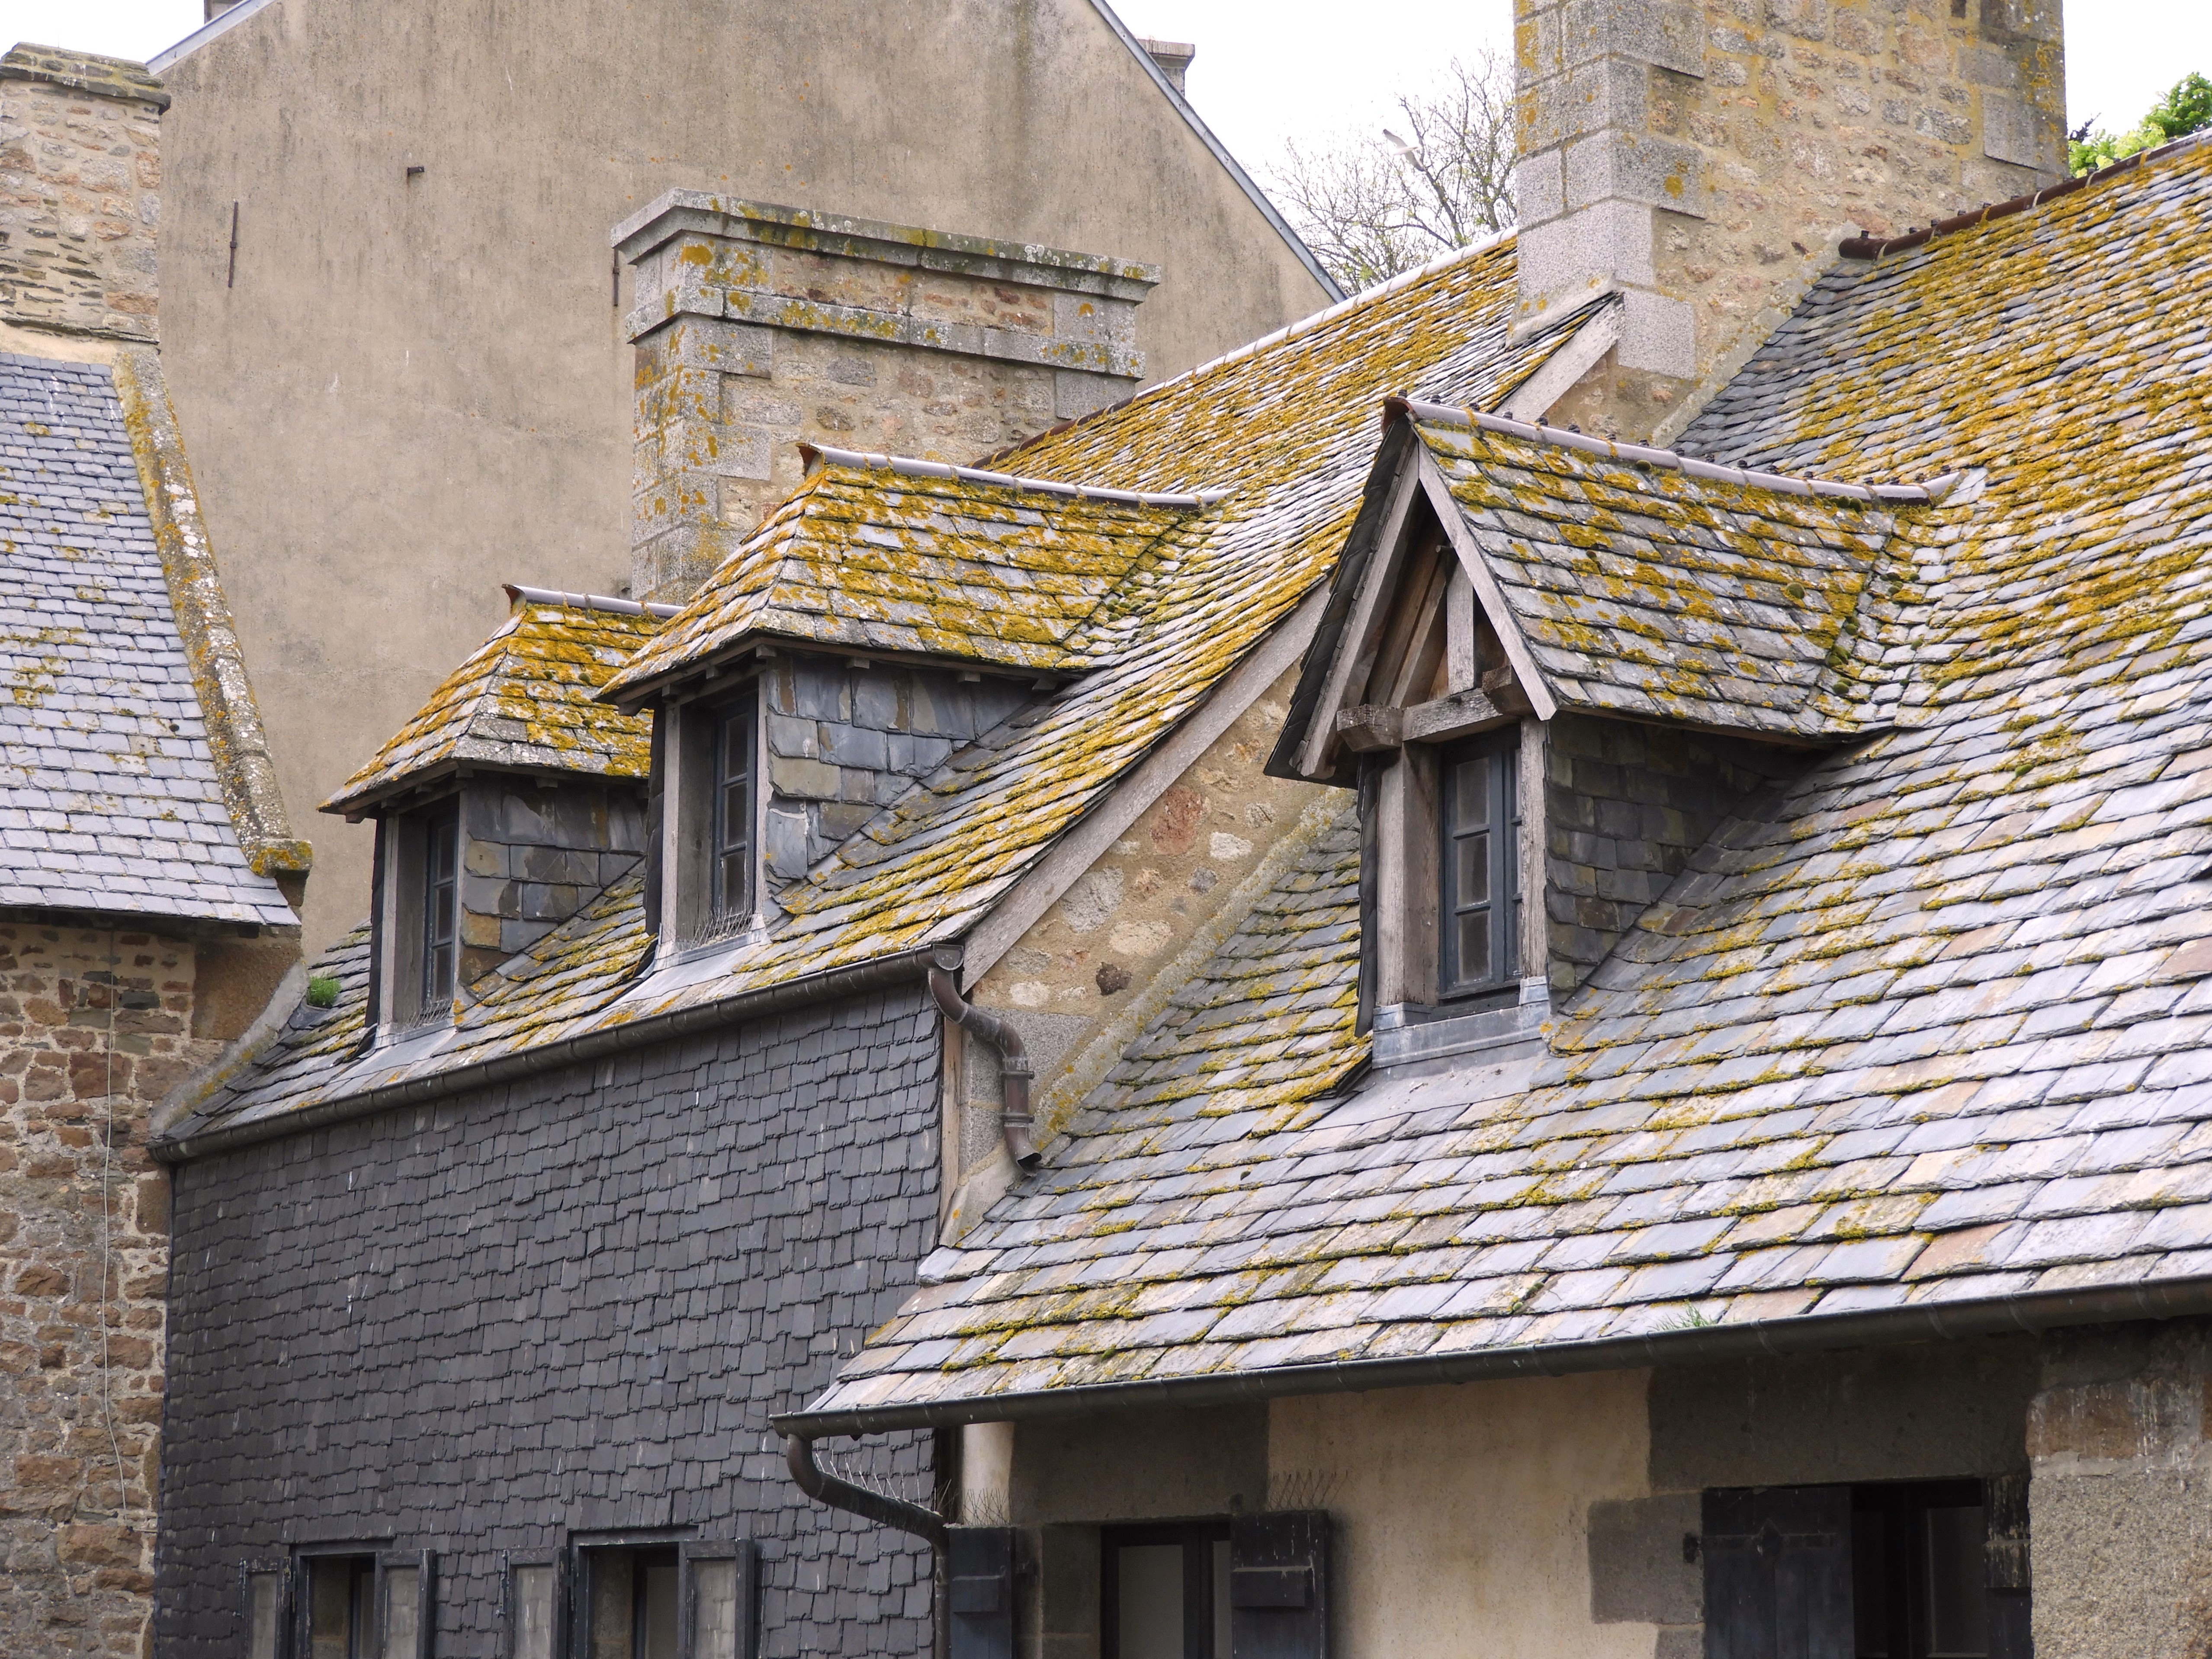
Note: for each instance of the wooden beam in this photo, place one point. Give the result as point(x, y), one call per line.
point(1459, 715)
point(1368, 728)
point(1354, 641)
point(1495, 605)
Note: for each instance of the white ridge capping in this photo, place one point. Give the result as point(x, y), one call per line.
point(590, 601)
point(1535, 432)
point(917, 469)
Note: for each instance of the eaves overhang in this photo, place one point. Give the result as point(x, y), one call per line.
point(2028, 1312)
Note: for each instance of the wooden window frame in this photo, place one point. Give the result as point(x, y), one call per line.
point(693, 1554)
point(1198, 1539)
point(693, 912)
point(390, 1565)
point(735, 812)
point(280, 1572)
point(402, 919)
point(305, 1561)
point(554, 1561)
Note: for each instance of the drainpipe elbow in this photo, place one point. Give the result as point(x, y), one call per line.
point(1014, 1059)
point(824, 1487)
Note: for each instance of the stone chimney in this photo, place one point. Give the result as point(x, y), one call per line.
point(759, 328)
point(80, 193)
point(1172, 56)
point(1702, 161)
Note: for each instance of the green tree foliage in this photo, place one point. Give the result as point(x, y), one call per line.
point(2185, 108)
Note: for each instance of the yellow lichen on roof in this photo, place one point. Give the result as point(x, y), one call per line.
point(1643, 591)
point(524, 699)
point(869, 558)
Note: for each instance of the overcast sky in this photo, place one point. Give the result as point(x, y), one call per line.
point(1269, 70)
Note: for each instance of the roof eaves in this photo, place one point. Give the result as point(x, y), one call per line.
point(1268, 210)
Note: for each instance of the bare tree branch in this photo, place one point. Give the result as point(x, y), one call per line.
point(1372, 206)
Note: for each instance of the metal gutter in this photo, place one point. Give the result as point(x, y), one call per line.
point(1951, 1321)
point(1268, 210)
point(566, 1051)
point(221, 23)
point(824, 1487)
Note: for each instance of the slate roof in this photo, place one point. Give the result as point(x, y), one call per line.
point(1285, 427)
point(526, 700)
point(110, 800)
point(882, 553)
point(1648, 587)
point(1926, 1029)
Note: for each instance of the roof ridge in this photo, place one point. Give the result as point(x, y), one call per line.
point(588, 601)
point(920, 469)
point(1874, 247)
point(1448, 414)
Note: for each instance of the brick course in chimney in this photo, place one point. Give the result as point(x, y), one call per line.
point(1704, 160)
point(80, 183)
point(759, 327)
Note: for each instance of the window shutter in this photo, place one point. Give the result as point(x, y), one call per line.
point(1371, 885)
point(980, 1592)
point(1278, 1585)
point(264, 1597)
point(655, 805)
point(2005, 1503)
point(715, 1591)
point(404, 1613)
point(1778, 1573)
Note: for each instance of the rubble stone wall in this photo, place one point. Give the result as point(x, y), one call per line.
point(1702, 158)
point(95, 1027)
point(80, 193)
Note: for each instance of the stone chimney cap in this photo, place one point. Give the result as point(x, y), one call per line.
point(1172, 56)
point(83, 71)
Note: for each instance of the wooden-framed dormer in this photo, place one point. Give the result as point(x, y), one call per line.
point(1552, 666)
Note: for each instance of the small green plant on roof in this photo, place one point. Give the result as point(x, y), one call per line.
point(1692, 1318)
point(322, 992)
point(2185, 108)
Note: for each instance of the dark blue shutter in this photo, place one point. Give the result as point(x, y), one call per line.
point(979, 1592)
point(1278, 1585)
point(1778, 1573)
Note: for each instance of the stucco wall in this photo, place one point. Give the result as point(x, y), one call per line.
point(572, 1303)
point(1466, 1510)
point(419, 387)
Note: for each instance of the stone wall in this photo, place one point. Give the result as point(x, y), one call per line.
point(96, 1026)
point(487, 1324)
point(759, 328)
point(1628, 806)
point(2120, 1504)
point(79, 177)
point(1703, 158)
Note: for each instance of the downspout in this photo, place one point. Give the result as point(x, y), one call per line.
point(1014, 1057)
point(826, 1488)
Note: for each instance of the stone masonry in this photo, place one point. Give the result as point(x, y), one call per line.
point(96, 1026)
point(80, 176)
point(759, 328)
point(1703, 158)
point(1628, 805)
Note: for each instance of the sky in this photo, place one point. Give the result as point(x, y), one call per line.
point(1269, 71)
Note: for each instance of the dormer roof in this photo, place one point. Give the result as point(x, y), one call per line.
point(524, 701)
point(884, 553)
point(1636, 582)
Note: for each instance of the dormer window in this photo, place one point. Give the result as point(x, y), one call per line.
point(441, 906)
point(711, 824)
point(1481, 888)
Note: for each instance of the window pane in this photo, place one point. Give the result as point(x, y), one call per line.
point(533, 1612)
point(1221, 1598)
point(1150, 1606)
point(1472, 878)
point(715, 1610)
point(1871, 1585)
point(1958, 1623)
point(611, 1604)
point(1474, 947)
point(656, 1613)
point(330, 1610)
point(403, 1612)
point(1471, 794)
point(265, 1617)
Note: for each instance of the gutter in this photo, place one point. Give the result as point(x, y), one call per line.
point(566, 1051)
point(826, 1488)
point(2028, 1311)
